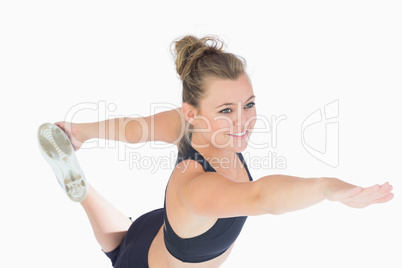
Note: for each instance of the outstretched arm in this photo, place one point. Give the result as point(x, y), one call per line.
point(281, 193)
point(164, 126)
point(214, 195)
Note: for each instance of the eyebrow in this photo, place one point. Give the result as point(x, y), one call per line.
point(228, 104)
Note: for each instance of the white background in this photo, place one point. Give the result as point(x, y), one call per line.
point(58, 56)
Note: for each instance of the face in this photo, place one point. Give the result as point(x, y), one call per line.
point(227, 114)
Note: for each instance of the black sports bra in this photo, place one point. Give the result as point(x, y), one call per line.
point(213, 242)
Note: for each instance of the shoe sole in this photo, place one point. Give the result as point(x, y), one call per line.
point(57, 149)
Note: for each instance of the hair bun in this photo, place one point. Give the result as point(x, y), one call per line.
point(190, 49)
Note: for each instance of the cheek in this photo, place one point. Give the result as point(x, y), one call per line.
point(215, 126)
point(222, 125)
point(252, 119)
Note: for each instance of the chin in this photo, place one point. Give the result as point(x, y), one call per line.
point(239, 145)
point(237, 148)
point(240, 149)
point(232, 148)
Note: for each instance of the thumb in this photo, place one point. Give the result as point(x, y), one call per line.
point(60, 124)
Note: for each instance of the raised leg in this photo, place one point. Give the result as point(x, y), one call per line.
point(109, 225)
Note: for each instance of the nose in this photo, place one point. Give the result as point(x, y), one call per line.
point(241, 117)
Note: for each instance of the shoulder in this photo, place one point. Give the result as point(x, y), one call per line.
point(166, 126)
point(184, 221)
point(183, 174)
point(186, 170)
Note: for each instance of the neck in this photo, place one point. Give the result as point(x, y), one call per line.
point(219, 158)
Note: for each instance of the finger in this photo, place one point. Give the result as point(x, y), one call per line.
point(384, 189)
point(385, 186)
point(366, 193)
point(383, 199)
point(60, 125)
point(376, 191)
point(364, 198)
point(383, 195)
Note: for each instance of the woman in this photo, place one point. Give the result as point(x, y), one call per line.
point(210, 192)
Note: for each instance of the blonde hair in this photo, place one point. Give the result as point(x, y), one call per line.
point(198, 60)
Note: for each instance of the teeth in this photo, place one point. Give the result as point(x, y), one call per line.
point(240, 134)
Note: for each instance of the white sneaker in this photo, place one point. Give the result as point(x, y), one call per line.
point(57, 149)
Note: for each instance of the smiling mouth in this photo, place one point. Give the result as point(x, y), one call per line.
point(240, 134)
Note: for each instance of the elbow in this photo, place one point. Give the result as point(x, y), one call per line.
point(272, 210)
point(277, 212)
point(266, 207)
point(264, 202)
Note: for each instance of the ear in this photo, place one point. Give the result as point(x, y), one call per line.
point(189, 112)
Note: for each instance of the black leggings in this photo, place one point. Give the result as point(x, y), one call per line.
point(133, 251)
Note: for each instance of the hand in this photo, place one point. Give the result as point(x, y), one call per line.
point(358, 197)
point(73, 132)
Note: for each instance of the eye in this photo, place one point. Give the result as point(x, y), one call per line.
point(250, 105)
point(225, 111)
point(228, 110)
